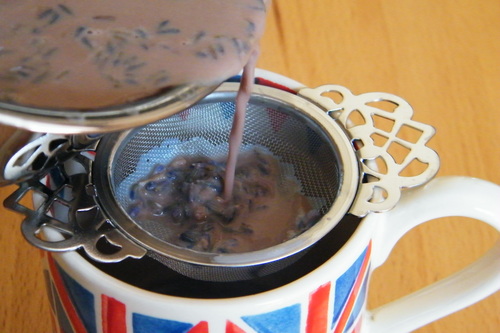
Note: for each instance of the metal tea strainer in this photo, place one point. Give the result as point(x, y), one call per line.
point(343, 159)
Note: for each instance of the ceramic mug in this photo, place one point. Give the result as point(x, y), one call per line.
point(324, 291)
point(330, 298)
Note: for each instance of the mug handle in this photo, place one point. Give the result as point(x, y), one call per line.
point(441, 197)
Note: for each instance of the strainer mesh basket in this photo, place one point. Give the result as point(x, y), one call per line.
point(203, 130)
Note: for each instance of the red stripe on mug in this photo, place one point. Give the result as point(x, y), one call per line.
point(344, 318)
point(317, 315)
point(69, 308)
point(201, 327)
point(233, 328)
point(113, 315)
point(269, 83)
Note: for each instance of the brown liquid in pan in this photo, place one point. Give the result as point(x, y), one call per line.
point(94, 53)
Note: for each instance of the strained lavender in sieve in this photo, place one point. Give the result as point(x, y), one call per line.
point(186, 197)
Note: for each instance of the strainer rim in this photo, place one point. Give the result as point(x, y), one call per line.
point(349, 182)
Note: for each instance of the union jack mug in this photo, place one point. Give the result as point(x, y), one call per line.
point(324, 291)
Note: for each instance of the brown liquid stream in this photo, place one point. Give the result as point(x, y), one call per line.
point(236, 135)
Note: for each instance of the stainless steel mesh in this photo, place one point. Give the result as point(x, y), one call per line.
point(203, 131)
point(303, 149)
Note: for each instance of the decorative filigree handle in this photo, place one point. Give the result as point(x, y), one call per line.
point(391, 146)
point(39, 153)
point(66, 218)
point(27, 155)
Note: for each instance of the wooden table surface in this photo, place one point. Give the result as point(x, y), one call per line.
point(443, 57)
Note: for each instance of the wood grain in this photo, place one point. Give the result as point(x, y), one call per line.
point(441, 56)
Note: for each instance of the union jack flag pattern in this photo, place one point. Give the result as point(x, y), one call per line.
point(334, 307)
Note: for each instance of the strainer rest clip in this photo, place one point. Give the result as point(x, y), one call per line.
point(368, 141)
point(378, 135)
